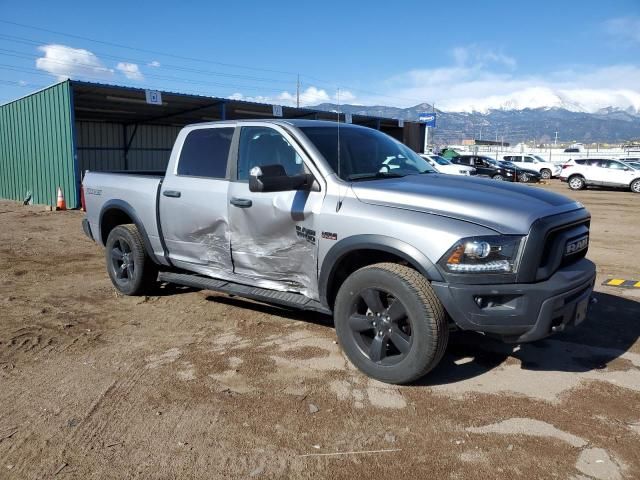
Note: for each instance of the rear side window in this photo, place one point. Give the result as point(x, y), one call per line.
point(205, 153)
point(580, 162)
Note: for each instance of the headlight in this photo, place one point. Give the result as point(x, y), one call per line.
point(495, 254)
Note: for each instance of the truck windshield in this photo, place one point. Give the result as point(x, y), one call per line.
point(365, 153)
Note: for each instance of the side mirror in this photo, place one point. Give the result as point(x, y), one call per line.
point(274, 178)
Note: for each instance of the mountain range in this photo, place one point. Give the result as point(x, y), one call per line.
point(607, 125)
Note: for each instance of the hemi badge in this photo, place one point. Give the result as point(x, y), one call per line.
point(576, 245)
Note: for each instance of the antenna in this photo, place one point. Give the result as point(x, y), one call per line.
point(338, 98)
point(340, 195)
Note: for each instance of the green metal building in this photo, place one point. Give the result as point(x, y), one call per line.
point(37, 147)
point(49, 138)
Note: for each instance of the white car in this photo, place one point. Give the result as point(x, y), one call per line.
point(534, 162)
point(442, 165)
point(603, 172)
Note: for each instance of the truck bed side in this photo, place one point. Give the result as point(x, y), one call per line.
point(115, 194)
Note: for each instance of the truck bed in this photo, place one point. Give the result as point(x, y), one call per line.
point(136, 192)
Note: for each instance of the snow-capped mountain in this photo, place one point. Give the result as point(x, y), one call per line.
point(512, 124)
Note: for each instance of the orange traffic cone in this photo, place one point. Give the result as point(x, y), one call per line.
point(62, 205)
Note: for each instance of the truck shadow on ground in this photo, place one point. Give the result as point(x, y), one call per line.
point(612, 327)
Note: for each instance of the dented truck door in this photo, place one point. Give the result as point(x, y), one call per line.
point(273, 235)
point(193, 201)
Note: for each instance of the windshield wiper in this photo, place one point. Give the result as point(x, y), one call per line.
point(370, 176)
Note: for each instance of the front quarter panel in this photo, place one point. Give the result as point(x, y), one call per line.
point(345, 217)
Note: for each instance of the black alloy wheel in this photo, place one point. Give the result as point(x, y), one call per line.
point(380, 326)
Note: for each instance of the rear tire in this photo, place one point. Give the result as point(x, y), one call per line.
point(498, 177)
point(523, 178)
point(545, 173)
point(390, 323)
point(576, 182)
point(635, 186)
point(131, 270)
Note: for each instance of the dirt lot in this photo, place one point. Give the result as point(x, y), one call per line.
point(191, 384)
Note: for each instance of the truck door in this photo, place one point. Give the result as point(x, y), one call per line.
point(274, 235)
point(193, 202)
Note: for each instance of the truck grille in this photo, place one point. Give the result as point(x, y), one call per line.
point(554, 254)
point(546, 248)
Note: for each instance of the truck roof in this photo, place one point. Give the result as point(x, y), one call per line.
point(296, 122)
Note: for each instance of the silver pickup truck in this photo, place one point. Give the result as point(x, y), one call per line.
point(345, 220)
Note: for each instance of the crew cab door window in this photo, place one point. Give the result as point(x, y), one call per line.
point(205, 152)
point(529, 160)
point(266, 146)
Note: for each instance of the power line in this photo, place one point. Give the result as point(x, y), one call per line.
point(144, 50)
point(230, 65)
point(38, 43)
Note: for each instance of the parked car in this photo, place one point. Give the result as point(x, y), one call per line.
point(533, 162)
point(523, 175)
point(604, 172)
point(487, 167)
point(305, 214)
point(442, 165)
point(634, 164)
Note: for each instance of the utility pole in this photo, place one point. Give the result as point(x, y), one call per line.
point(555, 142)
point(298, 92)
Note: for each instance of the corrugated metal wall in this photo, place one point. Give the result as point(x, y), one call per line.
point(101, 146)
point(36, 147)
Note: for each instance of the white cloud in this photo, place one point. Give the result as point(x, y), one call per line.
point(308, 97)
point(476, 86)
point(65, 62)
point(479, 56)
point(130, 70)
point(154, 64)
point(624, 29)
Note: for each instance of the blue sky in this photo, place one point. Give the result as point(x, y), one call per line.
point(463, 55)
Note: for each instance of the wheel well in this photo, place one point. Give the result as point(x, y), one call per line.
point(110, 220)
point(573, 175)
point(355, 260)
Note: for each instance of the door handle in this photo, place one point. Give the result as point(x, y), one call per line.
point(241, 202)
point(172, 193)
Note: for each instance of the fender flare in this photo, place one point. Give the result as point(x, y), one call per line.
point(372, 242)
point(117, 204)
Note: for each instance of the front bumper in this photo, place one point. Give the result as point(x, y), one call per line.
point(522, 312)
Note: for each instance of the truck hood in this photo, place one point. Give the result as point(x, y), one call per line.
point(507, 208)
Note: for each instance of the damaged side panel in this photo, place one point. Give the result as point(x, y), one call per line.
point(195, 225)
point(274, 242)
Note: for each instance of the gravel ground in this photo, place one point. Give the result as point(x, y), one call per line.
point(193, 384)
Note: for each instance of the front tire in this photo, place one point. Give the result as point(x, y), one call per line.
point(576, 182)
point(545, 173)
point(523, 178)
point(390, 323)
point(498, 177)
point(635, 186)
point(130, 269)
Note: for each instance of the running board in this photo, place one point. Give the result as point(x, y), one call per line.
point(287, 299)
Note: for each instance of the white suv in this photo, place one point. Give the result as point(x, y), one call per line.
point(442, 165)
point(534, 162)
point(602, 172)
